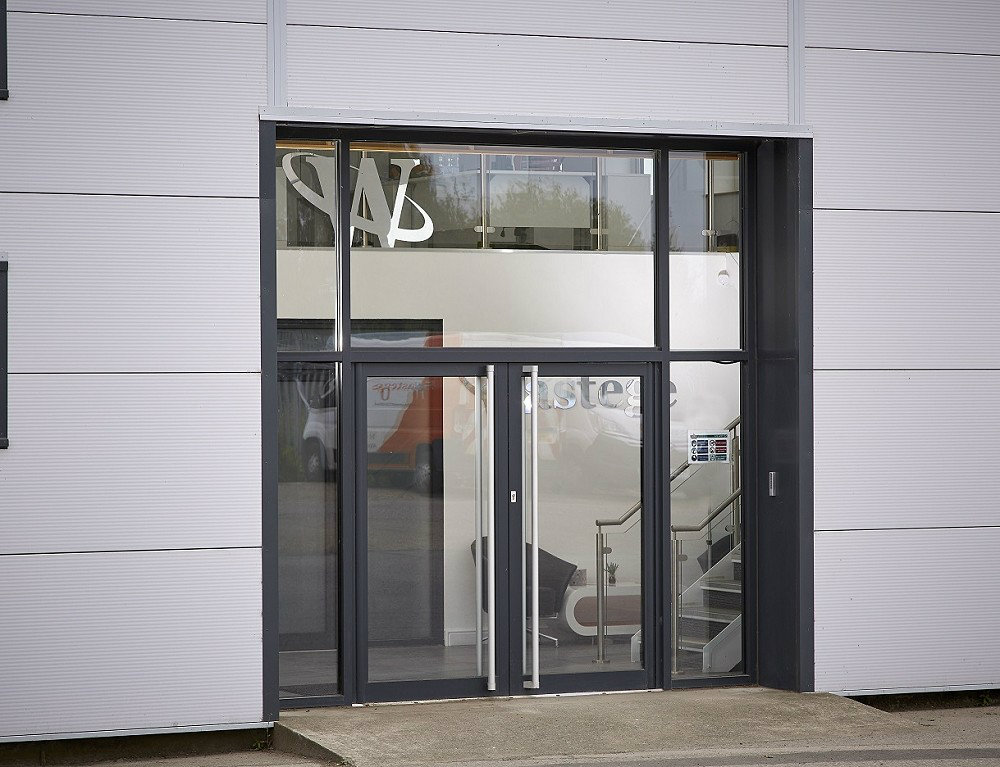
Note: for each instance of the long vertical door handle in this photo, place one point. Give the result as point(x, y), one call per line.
point(491, 547)
point(534, 684)
point(477, 416)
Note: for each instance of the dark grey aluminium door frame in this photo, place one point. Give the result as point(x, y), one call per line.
point(366, 691)
point(596, 681)
point(510, 619)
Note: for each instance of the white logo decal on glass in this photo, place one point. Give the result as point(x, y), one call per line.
point(325, 202)
point(381, 222)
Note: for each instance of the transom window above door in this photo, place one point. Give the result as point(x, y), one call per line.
point(461, 245)
point(468, 246)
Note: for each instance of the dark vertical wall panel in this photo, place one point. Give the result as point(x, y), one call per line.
point(269, 418)
point(4, 440)
point(4, 93)
point(784, 414)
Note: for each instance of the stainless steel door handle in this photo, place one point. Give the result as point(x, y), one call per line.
point(534, 683)
point(491, 570)
point(478, 430)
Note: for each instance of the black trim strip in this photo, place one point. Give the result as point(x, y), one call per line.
point(4, 91)
point(4, 439)
point(269, 420)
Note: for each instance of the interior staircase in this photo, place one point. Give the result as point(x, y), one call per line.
point(709, 619)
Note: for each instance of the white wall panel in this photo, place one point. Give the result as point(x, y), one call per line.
point(760, 22)
point(108, 283)
point(959, 26)
point(904, 130)
point(907, 609)
point(504, 75)
point(118, 641)
point(906, 448)
point(217, 10)
point(106, 462)
point(906, 289)
point(132, 106)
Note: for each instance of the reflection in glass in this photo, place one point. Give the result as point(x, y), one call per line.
point(306, 190)
point(589, 468)
point(451, 234)
point(705, 252)
point(425, 618)
point(308, 530)
point(706, 518)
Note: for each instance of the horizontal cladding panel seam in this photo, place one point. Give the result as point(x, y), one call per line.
point(188, 624)
point(873, 589)
point(924, 281)
point(895, 50)
point(959, 26)
point(142, 295)
point(231, 11)
point(893, 433)
point(144, 462)
point(530, 76)
point(759, 22)
point(131, 79)
point(878, 119)
point(546, 36)
point(150, 549)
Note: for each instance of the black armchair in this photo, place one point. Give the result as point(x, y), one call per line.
point(554, 575)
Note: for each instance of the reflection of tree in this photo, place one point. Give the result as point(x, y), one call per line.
point(451, 193)
point(564, 203)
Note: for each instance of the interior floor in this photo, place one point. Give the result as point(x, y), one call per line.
point(314, 672)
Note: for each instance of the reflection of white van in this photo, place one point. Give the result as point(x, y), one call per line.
point(319, 435)
point(404, 427)
point(585, 440)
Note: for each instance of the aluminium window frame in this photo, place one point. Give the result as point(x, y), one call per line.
point(660, 355)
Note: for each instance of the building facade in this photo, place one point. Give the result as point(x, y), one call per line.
point(366, 353)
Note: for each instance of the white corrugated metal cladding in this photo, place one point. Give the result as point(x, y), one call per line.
point(128, 178)
point(903, 104)
point(130, 511)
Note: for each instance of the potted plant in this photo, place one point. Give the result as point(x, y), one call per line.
point(612, 569)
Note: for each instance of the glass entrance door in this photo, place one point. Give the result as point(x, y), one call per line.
point(428, 531)
point(585, 570)
point(503, 539)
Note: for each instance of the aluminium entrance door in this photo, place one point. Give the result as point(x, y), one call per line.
point(503, 544)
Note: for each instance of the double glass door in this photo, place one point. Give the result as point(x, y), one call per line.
point(502, 531)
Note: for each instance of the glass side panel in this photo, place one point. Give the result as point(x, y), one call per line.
point(427, 614)
point(486, 246)
point(705, 250)
point(706, 518)
point(306, 190)
point(590, 443)
point(308, 530)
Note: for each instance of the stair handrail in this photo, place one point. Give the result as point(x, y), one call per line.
point(602, 566)
point(622, 519)
point(687, 464)
point(711, 515)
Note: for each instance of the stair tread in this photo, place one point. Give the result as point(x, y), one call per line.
point(692, 644)
point(715, 614)
point(723, 584)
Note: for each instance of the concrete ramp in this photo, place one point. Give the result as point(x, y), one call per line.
point(679, 723)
